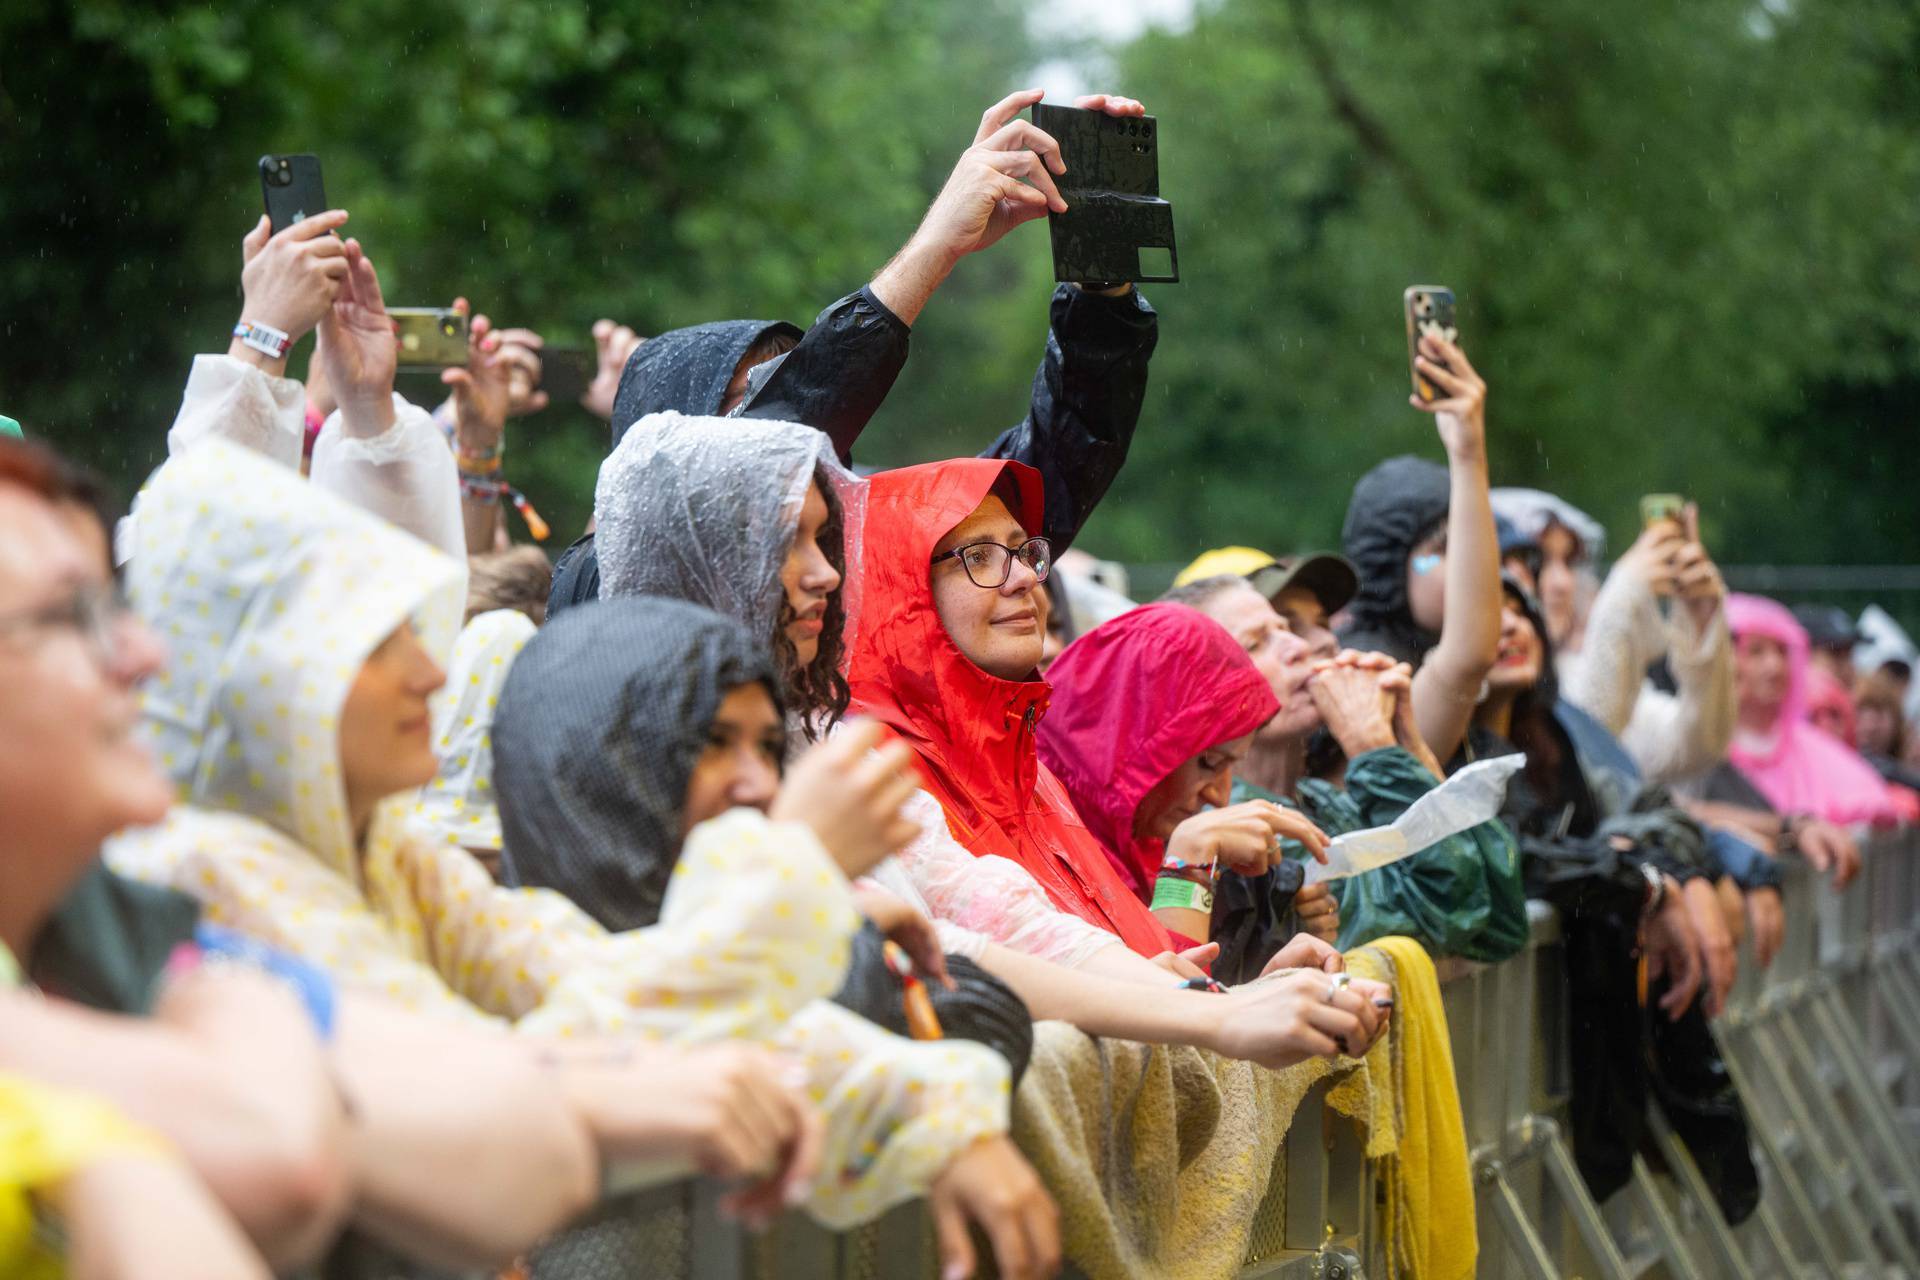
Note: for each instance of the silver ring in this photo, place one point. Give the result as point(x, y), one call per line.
point(1336, 984)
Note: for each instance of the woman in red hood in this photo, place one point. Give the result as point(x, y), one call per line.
point(952, 670)
point(1152, 711)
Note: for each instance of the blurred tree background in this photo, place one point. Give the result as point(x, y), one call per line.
point(1685, 236)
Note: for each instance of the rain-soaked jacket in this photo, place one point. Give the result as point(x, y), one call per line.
point(457, 806)
point(705, 509)
point(1087, 396)
point(974, 733)
point(1133, 700)
point(271, 596)
point(1393, 507)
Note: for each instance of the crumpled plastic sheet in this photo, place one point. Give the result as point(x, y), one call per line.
point(1467, 799)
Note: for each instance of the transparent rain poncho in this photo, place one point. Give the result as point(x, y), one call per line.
point(458, 806)
point(271, 595)
point(705, 510)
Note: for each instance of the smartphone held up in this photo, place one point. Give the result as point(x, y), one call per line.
point(1116, 228)
point(1430, 314)
point(291, 188)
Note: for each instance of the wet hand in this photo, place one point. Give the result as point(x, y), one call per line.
point(1003, 180)
point(1319, 912)
point(1306, 951)
point(613, 345)
point(1461, 411)
point(1244, 838)
point(290, 280)
point(899, 923)
point(358, 350)
point(1349, 699)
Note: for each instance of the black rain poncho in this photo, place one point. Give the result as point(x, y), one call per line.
point(602, 721)
point(1393, 507)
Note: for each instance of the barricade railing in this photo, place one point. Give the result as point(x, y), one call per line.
point(1824, 1047)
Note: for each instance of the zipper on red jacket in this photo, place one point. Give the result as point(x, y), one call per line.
point(1026, 761)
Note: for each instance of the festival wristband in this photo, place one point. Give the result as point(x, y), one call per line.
point(264, 338)
point(1169, 891)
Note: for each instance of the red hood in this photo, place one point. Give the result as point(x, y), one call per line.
point(1134, 699)
point(974, 732)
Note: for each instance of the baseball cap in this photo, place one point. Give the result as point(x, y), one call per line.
point(1331, 578)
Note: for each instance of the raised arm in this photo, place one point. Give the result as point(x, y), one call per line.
point(1447, 687)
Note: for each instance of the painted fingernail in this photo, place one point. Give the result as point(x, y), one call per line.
point(1382, 1002)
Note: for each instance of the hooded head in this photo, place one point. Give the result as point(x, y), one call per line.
point(974, 731)
point(1394, 506)
point(1563, 543)
point(603, 720)
point(691, 370)
point(1799, 768)
point(1135, 700)
point(710, 511)
point(271, 595)
point(904, 667)
point(458, 805)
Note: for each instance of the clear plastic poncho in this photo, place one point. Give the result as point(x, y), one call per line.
point(705, 509)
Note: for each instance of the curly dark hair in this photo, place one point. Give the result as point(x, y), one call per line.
point(818, 691)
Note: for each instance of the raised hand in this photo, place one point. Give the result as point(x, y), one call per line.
point(357, 348)
point(613, 345)
point(851, 791)
point(290, 280)
point(899, 923)
point(1461, 411)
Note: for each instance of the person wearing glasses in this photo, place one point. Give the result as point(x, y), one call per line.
point(677, 520)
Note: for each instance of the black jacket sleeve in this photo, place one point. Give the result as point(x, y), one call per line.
point(1086, 403)
point(843, 368)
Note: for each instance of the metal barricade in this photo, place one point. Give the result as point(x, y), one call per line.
point(1824, 1047)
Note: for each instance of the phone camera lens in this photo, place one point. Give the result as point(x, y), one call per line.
point(448, 328)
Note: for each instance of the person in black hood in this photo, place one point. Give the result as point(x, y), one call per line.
point(1087, 394)
point(1612, 862)
point(611, 744)
point(1423, 539)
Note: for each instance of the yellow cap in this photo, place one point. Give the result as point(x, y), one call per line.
point(1242, 562)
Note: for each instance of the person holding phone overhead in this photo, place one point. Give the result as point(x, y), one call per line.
point(1087, 392)
point(1608, 641)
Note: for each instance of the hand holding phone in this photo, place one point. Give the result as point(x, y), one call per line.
point(289, 281)
point(1658, 507)
point(1445, 382)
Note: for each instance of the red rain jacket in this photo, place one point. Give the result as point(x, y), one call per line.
point(1134, 699)
point(974, 733)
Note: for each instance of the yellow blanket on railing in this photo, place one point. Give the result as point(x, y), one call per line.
point(1430, 1217)
point(1160, 1157)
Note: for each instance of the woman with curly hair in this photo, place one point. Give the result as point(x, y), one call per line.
point(756, 520)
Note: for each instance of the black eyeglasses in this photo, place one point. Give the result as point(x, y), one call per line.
point(990, 564)
point(94, 612)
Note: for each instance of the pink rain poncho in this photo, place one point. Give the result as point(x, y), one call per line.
point(1800, 768)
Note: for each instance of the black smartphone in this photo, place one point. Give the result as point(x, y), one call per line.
point(1116, 227)
point(565, 373)
point(291, 187)
point(1429, 310)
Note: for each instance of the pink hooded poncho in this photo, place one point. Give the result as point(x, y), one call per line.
point(1799, 768)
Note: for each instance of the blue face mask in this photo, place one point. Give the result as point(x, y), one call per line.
point(1424, 565)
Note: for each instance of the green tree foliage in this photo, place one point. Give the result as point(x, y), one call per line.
point(1685, 235)
point(661, 163)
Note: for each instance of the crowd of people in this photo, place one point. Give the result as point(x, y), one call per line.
point(374, 884)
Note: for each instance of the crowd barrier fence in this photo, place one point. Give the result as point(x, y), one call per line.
point(1824, 1046)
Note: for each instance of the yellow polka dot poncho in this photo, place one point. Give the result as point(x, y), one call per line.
point(271, 595)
